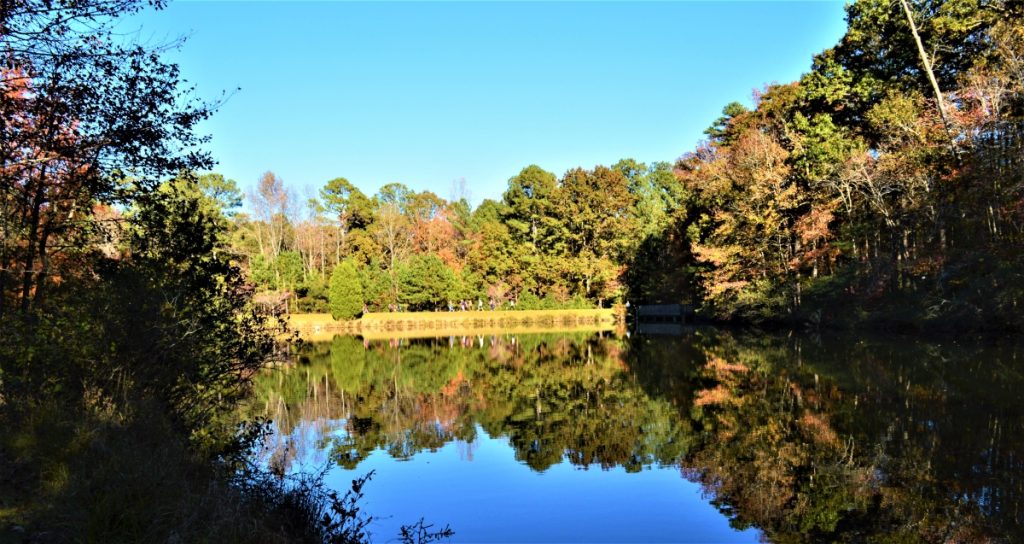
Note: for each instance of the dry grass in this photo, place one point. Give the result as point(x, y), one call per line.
point(316, 327)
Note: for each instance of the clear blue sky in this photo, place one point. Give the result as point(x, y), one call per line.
point(428, 93)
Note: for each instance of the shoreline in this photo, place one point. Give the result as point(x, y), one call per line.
point(319, 327)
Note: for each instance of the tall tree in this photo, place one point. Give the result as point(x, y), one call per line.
point(224, 193)
point(351, 208)
point(529, 206)
point(271, 202)
point(722, 130)
point(926, 64)
point(396, 194)
point(597, 207)
point(392, 228)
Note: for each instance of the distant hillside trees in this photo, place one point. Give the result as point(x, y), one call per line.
point(567, 241)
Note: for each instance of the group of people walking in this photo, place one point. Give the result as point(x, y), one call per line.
point(466, 305)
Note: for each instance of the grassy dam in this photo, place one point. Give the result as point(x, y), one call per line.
point(318, 327)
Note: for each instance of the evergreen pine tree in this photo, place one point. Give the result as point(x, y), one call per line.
point(346, 291)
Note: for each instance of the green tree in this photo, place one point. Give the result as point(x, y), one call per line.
point(289, 270)
point(723, 129)
point(397, 194)
point(346, 291)
point(377, 286)
point(351, 208)
point(392, 229)
point(224, 193)
point(425, 282)
point(529, 207)
point(492, 253)
point(597, 208)
point(658, 194)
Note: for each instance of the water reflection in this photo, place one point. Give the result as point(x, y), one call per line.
point(807, 439)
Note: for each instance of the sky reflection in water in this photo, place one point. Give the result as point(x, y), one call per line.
point(487, 496)
point(596, 437)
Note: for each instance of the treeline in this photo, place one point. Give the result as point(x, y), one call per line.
point(550, 242)
point(885, 186)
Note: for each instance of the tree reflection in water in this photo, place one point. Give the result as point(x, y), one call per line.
point(807, 439)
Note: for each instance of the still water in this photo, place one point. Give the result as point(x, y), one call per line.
point(704, 437)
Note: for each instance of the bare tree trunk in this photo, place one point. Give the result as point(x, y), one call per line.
point(44, 267)
point(3, 283)
point(320, 229)
point(30, 252)
point(343, 231)
point(940, 101)
point(259, 237)
point(337, 247)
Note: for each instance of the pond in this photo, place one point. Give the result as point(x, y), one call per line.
point(708, 436)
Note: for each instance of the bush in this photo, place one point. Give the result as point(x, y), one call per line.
point(530, 301)
point(426, 283)
point(313, 296)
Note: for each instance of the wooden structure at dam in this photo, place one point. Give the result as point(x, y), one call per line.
point(664, 313)
point(662, 319)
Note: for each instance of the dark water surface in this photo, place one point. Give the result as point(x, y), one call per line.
point(707, 437)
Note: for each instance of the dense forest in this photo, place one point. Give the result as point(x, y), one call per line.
point(548, 243)
point(885, 185)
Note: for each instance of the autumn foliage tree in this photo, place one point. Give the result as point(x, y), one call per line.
point(125, 323)
point(82, 114)
point(890, 171)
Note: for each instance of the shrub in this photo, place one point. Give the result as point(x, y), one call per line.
point(426, 283)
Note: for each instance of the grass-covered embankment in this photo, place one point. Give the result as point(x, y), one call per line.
point(316, 327)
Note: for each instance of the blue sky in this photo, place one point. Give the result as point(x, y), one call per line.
point(430, 93)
